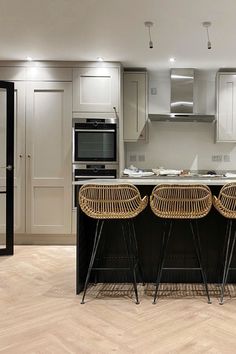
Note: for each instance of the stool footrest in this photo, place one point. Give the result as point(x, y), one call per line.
point(116, 258)
point(186, 268)
point(110, 268)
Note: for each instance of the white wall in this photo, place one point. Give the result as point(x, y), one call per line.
point(182, 145)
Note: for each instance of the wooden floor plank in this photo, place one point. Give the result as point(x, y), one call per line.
point(40, 313)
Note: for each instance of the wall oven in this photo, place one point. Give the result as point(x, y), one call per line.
point(92, 171)
point(95, 140)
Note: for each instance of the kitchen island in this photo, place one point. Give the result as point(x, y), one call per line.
point(149, 233)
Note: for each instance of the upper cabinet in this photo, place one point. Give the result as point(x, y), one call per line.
point(96, 89)
point(226, 107)
point(135, 105)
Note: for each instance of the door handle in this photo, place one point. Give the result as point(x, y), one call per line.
point(9, 167)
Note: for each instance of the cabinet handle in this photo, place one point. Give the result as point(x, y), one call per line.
point(115, 111)
point(29, 156)
point(20, 155)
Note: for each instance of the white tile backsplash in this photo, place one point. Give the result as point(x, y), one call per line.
point(182, 145)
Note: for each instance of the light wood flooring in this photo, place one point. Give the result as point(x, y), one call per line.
point(40, 313)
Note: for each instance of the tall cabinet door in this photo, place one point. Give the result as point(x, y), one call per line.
point(226, 111)
point(135, 105)
point(48, 154)
point(19, 157)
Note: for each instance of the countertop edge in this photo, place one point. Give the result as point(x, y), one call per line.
point(213, 181)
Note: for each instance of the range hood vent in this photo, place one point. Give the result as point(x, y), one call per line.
point(181, 100)
point(207, 118)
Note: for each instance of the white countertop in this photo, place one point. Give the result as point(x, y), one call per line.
point(152, 181)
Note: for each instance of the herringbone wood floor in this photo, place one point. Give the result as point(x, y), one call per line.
point(40, 313)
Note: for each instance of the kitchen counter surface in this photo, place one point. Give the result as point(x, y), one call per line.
point(153, 180)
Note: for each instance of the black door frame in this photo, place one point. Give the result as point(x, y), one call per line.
point(9, 250)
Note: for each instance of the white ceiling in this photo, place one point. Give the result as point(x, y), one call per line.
point(114, 29)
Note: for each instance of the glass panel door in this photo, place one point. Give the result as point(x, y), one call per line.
point(3, 161)
point(6, 166)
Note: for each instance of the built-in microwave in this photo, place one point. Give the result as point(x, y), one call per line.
point(95, 140)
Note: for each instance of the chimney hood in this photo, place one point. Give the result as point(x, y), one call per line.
point(181, 100)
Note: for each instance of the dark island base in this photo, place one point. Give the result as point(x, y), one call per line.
point(149, 230)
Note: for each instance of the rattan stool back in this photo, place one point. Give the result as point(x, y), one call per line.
point(226, 201)
point(226, 206)
point(121, 201)
point(181, 201)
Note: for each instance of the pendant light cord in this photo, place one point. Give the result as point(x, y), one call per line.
point(149, 31)
point(208, 38)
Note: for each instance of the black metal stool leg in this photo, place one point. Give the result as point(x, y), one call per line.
point(228, 239)
point(131, 261)
point(225, 243)
point(99, 254)
point(165, 240)
point(228, 262)
point(134, 246)
point(197, 245)
point(97, 237)
point(230, 257)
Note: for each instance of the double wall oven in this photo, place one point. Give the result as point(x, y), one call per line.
point(95, 149)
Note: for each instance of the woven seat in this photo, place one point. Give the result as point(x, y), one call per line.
point(121, 201)
point(172, 201)
point(106, 202)
point(225, 203)
point(181, 201)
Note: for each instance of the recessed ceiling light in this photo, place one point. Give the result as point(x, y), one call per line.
point(172, 60)
point(29, 58)
point(100, 59)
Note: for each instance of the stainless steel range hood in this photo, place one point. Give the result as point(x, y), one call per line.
point(181, 100)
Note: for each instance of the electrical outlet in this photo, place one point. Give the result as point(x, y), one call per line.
point(226, 158)
point(141, 158)
point(153, 91)
point(216, 158)
point(133, 158)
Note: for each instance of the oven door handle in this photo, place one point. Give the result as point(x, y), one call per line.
point(94, 177)
point(95, 130)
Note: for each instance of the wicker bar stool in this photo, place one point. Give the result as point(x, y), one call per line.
point(226, 206)
point(189, 202)
point(122, 202)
